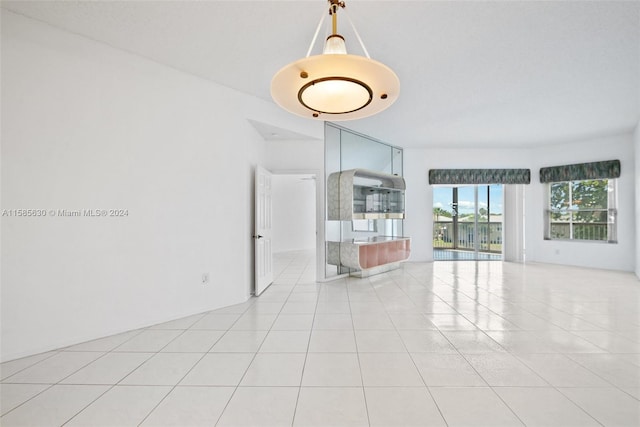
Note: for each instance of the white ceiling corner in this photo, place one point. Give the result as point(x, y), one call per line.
point(274, 133)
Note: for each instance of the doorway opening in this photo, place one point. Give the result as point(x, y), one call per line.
point(285, 236)
point(294, 227)
point(468, 222)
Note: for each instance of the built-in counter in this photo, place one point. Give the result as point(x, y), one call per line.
point(371, 255)
point(377, 199)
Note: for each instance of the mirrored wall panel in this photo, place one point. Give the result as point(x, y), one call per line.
point(376, 210)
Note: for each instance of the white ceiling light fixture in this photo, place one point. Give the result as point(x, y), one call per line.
point(335, 86)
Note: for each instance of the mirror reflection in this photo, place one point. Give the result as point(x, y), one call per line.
point(347, 150)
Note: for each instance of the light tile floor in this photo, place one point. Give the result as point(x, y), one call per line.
point(446, 343)
point(464, 255)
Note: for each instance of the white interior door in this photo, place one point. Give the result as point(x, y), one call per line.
point(262, 236)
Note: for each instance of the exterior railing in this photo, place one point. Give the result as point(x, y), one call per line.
point(489, 236)
point(581, 231)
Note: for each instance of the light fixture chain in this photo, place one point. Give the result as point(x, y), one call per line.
point(315, 36)
point(364, 49)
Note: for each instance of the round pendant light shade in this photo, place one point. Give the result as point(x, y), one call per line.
point(335, 86)
point(335, 95)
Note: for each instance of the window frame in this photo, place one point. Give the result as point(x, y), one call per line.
point(611, 212)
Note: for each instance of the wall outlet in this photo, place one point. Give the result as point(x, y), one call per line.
point(557, 251)
point(205, 278)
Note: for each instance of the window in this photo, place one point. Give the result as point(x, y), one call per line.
point(582, 210)
point(364, 225)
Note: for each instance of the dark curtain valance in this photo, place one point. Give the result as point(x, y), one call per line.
point(479, 176)
point(580, 171)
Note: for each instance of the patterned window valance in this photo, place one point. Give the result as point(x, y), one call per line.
point(580, 171)
point(479, 176)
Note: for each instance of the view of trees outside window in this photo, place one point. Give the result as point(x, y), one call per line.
point(459, 224)
point(580, 210)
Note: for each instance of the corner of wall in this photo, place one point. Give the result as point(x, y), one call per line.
point(636, 151)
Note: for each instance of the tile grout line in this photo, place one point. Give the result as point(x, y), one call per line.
point(355, 339)
point(306, 355)
point(256, 352)
point(474, 369)
point(513, 355)
point(61, 351)
point(435, 402)
point(112, 386)
point(192, 367)
point(612, 385)
point(518, 300)
point(55, 353)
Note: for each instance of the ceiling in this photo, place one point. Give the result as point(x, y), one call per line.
point(473, 74)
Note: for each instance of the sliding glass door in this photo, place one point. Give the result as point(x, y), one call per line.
point(467, 222)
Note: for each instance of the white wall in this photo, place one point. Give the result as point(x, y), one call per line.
point(289, 155)
point(636, 146)
point(86, 126)
point(620, 256)
point(294, 212)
